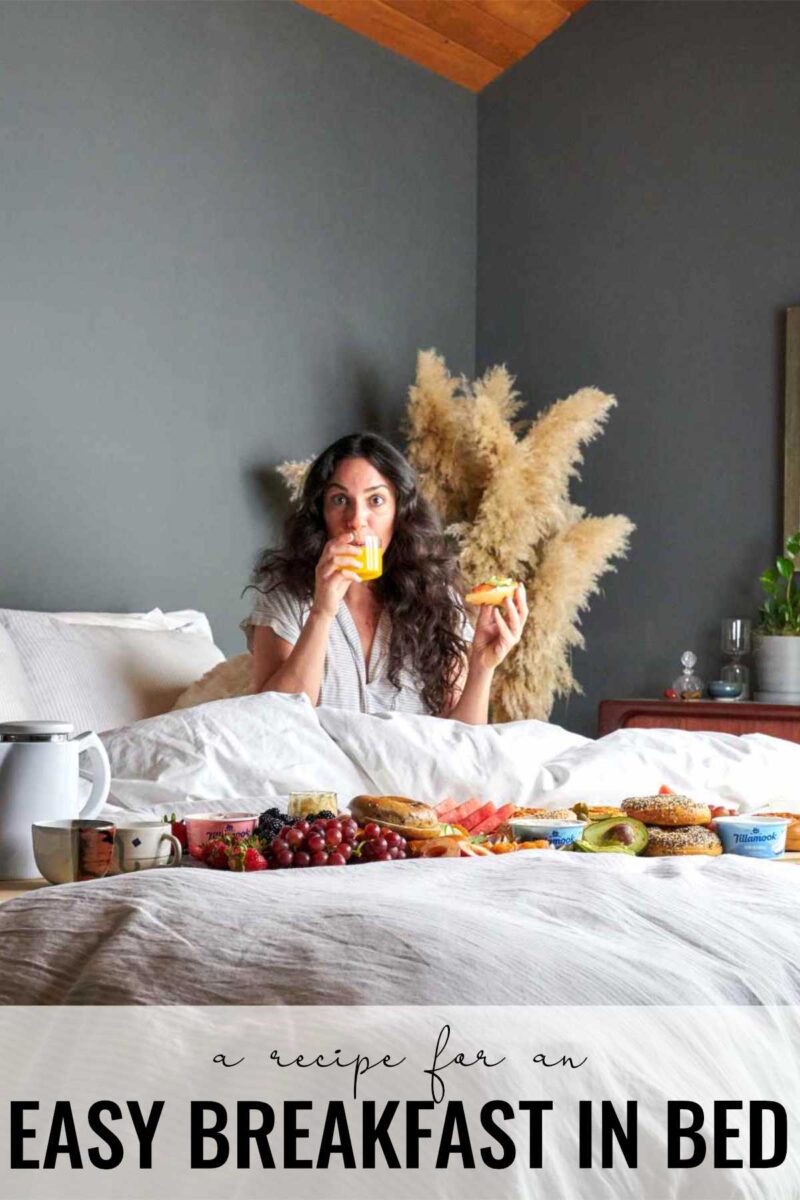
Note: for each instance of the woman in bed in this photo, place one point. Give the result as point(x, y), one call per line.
point(400, 643)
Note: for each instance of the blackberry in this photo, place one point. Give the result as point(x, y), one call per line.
point(271, 822)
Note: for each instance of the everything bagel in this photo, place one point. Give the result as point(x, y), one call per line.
point(666, 810)
point(689, 839)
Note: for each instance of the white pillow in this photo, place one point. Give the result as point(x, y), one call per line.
point(16, 701)
point(228, 755)
point(188, 620)
point(430, 759)
point(99, 677)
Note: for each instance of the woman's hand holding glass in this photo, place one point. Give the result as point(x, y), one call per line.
point(335, 571)
point(499, 629)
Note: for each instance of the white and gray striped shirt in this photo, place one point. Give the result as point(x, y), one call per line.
point(348, 681)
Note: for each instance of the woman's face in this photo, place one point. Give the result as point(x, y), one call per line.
point(359, 500)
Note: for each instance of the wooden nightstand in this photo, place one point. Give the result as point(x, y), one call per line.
point(777, 720)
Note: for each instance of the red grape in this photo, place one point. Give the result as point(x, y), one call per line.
point(320, 823)
point(286, 829)
point(380, 844)
point(392, 838)
point(284, 859)
point(372, 830)
point(294, 838)
point(319, 859)
point(368, 853)
point(333, 823)
point(393, 852)
point(278, 847)
point(333, 838)
point(303, 826)
point(345, 850)
point(336, 859)
point(402, 854)
point(349, 831)
point(315, 842)
point(301, 859)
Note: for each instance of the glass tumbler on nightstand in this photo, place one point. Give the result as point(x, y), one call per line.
point(735, 644)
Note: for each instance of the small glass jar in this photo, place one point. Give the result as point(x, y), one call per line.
point(306, 804)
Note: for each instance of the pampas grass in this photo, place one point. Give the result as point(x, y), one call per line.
point(294, 474)
point(501, 486)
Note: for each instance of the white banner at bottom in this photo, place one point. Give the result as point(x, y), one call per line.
point(474, 1103)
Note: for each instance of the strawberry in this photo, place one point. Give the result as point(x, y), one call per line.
point(215, 854)
point(235, 856)
point(179, 830)
point(665, 791)
point(254, 860)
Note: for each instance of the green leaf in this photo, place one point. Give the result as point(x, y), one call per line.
point(793, 545)
point(769, 580)
point(785, 567)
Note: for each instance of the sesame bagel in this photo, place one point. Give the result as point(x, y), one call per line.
point(666, 810)
point(686, 839)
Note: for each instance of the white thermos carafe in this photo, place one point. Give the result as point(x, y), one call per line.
point(39, 781)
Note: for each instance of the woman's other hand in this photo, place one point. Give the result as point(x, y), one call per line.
point(498, 629)
point(334, 573)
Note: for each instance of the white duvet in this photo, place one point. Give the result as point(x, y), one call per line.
point(246, 752)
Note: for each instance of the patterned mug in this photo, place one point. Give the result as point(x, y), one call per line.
point(141, 845)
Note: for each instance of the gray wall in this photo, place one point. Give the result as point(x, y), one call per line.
point(225, 230)
point(639, 202)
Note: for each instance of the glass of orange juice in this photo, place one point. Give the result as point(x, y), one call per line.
point(370, 557)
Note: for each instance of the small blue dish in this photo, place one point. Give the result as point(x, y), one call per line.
point(720, 689)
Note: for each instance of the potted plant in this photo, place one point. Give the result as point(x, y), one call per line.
point(777, 638)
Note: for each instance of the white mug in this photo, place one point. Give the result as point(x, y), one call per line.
point(142, 845)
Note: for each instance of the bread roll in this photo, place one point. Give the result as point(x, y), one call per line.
point(395, 811)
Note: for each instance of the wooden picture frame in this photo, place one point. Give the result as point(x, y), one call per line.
point(791, 427)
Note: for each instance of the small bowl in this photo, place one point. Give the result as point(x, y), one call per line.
point(201, 828)
point(753, 835)
point(558, 833)
point(721, 689)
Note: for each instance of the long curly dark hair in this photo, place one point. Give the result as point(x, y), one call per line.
point(419, 585)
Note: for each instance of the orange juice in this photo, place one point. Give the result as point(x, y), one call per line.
point(370, 557)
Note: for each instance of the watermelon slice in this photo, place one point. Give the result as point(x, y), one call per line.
point(459, 815)
point(481, 814)
point(444, 806)
point(490, 823)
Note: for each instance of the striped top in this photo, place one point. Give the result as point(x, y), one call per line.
point(348, 681)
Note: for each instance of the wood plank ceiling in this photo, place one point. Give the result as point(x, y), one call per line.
point(470, 42)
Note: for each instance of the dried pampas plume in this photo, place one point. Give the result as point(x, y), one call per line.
point(294, 476)
point(502, 487)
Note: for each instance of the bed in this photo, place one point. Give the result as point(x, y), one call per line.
point(541, 930)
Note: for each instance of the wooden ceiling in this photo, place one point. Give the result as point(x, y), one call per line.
point(470, 42)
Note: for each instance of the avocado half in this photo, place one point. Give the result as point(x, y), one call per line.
point(614, 835)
